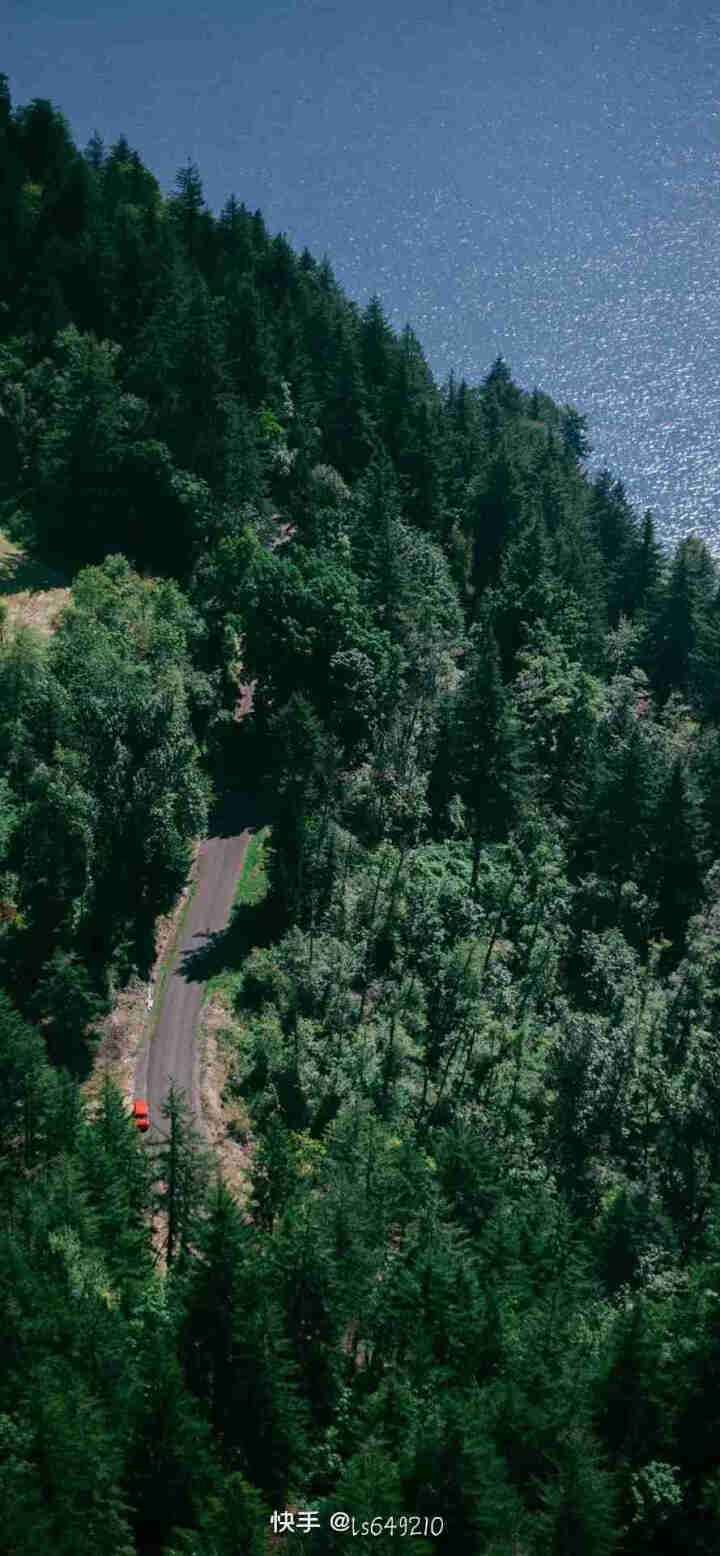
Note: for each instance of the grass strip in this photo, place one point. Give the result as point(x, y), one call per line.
point(252, 882)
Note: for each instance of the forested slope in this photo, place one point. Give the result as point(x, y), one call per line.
point(475, 1020)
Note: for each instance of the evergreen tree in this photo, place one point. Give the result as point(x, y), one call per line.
point(525, 592)
point(481, 753)
point(501, 399)
point(182, 1170)
point(236, 1357)
point(349, 436)
point(95, 152)
point(675, 867)
point(614, 528)
point(117, 1173)
point(27, 1087)
point(683, 608)
point(377, 352)
point(250, 352)
point(574, 434)
point(192, 219)
point(648, 568)
point(494, 515)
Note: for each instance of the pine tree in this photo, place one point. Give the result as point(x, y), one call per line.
point(576, 445)
point(170, 1472)
point(675, 870)
point(614, 528)
point(236, 1357)
point(236, 240)
point(501, 399)
point(377, 347)
point(307, 760)
point(27, 1085)
point(648, 568)
point(117, 1172)
point(483, 744)
point(454, 1468)
point(250, 352)
point(578, 1503)
point(525, 592)
point(193, 221)
point(683, 607)
point(704, 661)
point(180, 1166)
point(635, 1409)
point(349, 436)
point(495, 505)
point(95, 152)
point(615, 825)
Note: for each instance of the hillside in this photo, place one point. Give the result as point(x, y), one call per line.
point(466, 1011)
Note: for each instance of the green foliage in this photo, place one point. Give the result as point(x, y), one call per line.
point(681, 621)
point(121, 657)
point(28, 1087)
point(236, 1354)
point(478, 753)
point(473, 1271)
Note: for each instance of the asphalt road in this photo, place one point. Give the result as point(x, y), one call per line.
point(171, 1053)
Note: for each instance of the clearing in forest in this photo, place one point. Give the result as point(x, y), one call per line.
point(32, 593)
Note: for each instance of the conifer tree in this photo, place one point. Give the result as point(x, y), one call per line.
point(495, 508)
point(682, 610)
point(648, 567)
point(483, 745)
point(614, 528)
point(27, 1087)
point(191, 216)
point(377, 349)
point(180, 1166)
point(675, 868)
point(576, 445)
point(349, 435)
point(236, 1356)
point(118, 1177)
point(501, 399)
point(525, 592)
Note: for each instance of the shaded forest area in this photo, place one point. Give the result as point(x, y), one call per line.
point(476, 1016)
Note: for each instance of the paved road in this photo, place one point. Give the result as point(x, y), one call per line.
point(172, 1051)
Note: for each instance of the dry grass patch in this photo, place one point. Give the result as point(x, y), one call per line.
point(32, 593)
point(225, 1118)
point(121, 1035)
point(39, 610)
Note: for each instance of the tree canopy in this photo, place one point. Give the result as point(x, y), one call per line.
point(467, 1006)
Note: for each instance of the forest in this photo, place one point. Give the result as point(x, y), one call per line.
point(475, 1013)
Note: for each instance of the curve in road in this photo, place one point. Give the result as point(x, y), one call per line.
point(171, 1053)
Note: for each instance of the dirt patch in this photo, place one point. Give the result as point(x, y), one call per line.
point(35, 608)
point(120, 1036)
point(32, 593)
point(225, 1119)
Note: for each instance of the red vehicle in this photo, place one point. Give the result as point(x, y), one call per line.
point(141, 1115)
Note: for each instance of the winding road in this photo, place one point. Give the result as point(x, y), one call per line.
point(171, 1052)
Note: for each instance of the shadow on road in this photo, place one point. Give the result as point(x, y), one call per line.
point(234, 813)
point(226, 949)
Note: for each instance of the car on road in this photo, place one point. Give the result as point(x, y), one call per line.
point(141, 1115)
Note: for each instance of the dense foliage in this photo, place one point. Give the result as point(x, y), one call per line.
point(475, 1021)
